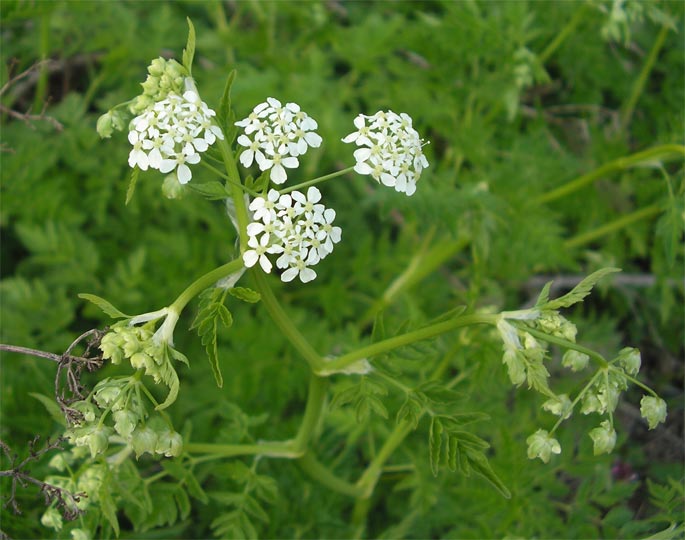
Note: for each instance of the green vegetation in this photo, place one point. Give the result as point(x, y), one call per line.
point(402, 393)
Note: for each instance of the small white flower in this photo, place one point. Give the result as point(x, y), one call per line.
point(173, 133)
point(296, 227)
point(275, 135)
point(257, 253)
point(390, 150)
point(137, 157)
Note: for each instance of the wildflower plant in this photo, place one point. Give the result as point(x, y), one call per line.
point(287, 229)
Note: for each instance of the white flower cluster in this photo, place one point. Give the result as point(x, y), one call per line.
point(296, 227)
point(173, 133)
point(389, 150)
point(275, 135)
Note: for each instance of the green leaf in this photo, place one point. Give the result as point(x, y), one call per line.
point(132, 185)
point(266, 488)
point(179, 356)
point(226, 116)
point(537, 375)
point(480, 464)
point(182, 501)
point(543, 297)
point(212, 310)
point(105, 306)
point(452, 452)
point(212, 191)
point(410, 411)
point(255, 509)
point(581, 290)
point(189, 51)
point(435, 444)
point(51, 405)
point(170, 378)
point(109, 509)
point(195, 489)
point(245, 294)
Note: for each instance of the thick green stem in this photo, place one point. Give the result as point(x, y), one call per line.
point(312, 414)
point(236, 190)
point(387, 345)
point(284, 323)
point(658, 153)
point(200, 284)
point(324, 476)
point(639, 85)
point(218, 451)
point(317, 180)
point(613, 226)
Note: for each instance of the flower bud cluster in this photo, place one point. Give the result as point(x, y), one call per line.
point(390, 150)
point(117, 413)
point(135, 344)
point(171, 133)
point(552, 323)
point(164, 77)
point(275, 135)
point(293, 226)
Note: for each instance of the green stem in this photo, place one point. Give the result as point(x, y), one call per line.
point(578, 398)
point(284, 323)
point(316, 398)
point(639, 85)
point(564, 343)
point(590, 236)
point(42, 83)
point(658, 153)
point(561, 36)
point(421, 334)
point(317, 180)
point(218, 451)
point(200, 284)
point(636, 382)
point(236, 190)
point(422, 264)
point(228, 180)
point(310, 465)
point(369, 478)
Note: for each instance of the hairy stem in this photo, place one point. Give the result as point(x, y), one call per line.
point(665, 152)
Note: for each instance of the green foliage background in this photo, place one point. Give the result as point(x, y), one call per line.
point(474, 228)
